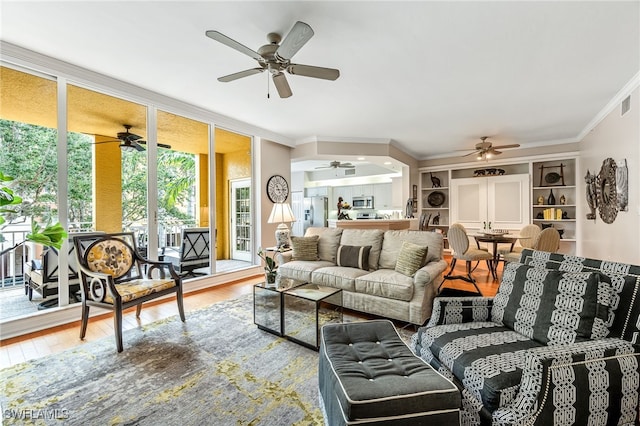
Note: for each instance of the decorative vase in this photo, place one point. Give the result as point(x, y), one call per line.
point(551, 200)
point(270, 277)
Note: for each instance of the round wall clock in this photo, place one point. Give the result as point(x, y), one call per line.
point(277, 189)
point(607, 192)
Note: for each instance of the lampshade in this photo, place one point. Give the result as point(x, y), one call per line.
point(281, 212)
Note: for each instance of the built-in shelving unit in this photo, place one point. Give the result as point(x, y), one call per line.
point(549, 173)
point(557, 177)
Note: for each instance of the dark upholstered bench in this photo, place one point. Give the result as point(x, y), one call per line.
point(367, 375)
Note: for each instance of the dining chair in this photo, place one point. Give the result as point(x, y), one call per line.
point(114, 276)
point(547, 240)
point(529, 232)
point(459, 242)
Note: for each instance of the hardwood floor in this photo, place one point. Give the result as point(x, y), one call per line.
point(58, 339)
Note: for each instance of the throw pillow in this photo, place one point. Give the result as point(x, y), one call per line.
point(354, 256)
point(552, 307)
point(410, 258)
point(304, 248)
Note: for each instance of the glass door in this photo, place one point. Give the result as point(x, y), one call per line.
point(241, 219)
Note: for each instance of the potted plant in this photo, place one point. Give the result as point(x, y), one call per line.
point(50, 235)
point(270, 266)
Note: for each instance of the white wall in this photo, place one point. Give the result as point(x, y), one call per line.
point(617, 137)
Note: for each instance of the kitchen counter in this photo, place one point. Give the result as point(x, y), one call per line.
point(384, 224)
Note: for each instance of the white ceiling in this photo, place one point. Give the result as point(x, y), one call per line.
point(432, 76)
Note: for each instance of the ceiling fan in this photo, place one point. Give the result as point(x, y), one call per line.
point(276, 58)
point(337, 164)
point(485, 150)
point(131, 141)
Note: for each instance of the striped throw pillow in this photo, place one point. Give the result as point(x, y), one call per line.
point(305, 248)
point(354, 256)
point(410, 258)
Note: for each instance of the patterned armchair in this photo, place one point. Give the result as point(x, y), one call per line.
point(114, 276)
point(41, 274)
point(558, 345)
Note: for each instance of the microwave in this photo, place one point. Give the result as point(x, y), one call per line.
point(362, 202)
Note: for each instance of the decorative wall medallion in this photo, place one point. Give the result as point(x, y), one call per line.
point(622, 185)
point(607, 192)
point(591, 194)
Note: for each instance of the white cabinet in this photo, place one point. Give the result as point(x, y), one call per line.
point(382, 199)
point(497, 202)
point(362, 190)
point(345, 192)
point(317, 191)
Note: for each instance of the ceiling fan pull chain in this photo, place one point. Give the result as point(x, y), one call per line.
point(268, 97)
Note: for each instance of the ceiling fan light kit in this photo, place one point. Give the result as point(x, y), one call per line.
point(485, 150)
point(276, 58)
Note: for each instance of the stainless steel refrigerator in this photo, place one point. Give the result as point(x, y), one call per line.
point(316, 211)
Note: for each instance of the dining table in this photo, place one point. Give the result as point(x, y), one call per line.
point(496, 238)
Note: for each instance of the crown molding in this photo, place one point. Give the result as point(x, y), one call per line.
point(609, 107)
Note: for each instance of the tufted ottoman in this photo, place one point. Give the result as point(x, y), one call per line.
point(367, 375)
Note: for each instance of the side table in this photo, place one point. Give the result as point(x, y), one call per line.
point(306, 308)
point(268, 306)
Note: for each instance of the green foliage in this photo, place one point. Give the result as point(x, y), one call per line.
point(50, 235)
point(269, 261)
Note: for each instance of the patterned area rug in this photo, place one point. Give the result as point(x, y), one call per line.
point(217, 368)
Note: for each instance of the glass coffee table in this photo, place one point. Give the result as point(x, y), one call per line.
point(268, 306)
point(306, 308)
point(296, 310)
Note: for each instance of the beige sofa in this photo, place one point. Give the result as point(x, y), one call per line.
point(377, 288)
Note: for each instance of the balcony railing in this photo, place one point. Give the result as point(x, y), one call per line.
point(13, 253)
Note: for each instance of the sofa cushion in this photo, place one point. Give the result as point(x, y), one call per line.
point(301, 269)
point(305, 248)
point(393, 240)
point(328, 241)
point(484, 357)
point(353, 256)
point(337, 277)
point(551, 306)
point(410, 258)
point(624, 308)
point(386, 283)
point(365, 237)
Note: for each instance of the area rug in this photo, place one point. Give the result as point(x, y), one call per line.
point(217, 368)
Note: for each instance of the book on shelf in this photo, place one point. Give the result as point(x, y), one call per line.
point(552, 214)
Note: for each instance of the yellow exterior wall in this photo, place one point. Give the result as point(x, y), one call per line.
point(202, 188)
point(222, 217)
point(230, 166)
point(107, 186)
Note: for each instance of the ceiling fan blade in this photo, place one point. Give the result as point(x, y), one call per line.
point(137, 146)
point(217, 36)
point(315, 72)
point(515, 145)
point(280, 81)
point(126, 136)
point(237, 75)
point(160, 145)
point(297, 37)
point(346, 166)
point(472, 153)
point(494, 152)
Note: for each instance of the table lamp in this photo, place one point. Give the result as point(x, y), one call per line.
point(281, 213)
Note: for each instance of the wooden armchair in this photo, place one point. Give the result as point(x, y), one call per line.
point(111, 277)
